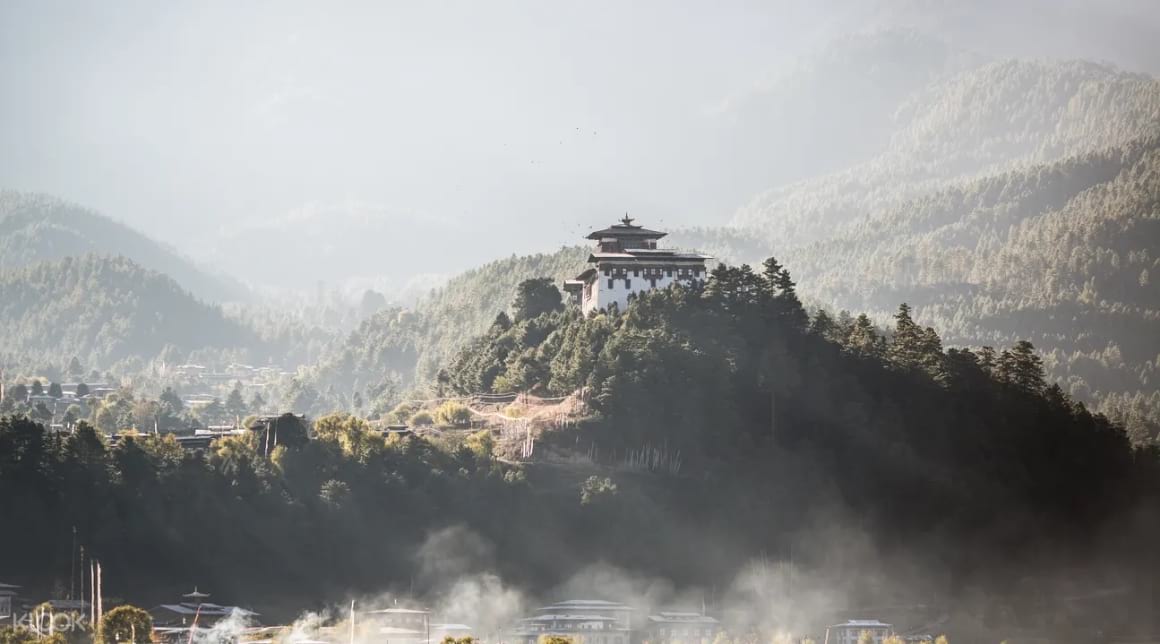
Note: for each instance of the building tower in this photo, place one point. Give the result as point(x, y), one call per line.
point(625, 262)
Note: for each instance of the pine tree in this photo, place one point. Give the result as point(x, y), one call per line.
point(823, 325)
point(235, 404)
point(863, 339)
point(933, 361)
point(170, 402)
point(1026, 367)
point(987, 360)
point(906, 347)
point(257, 403)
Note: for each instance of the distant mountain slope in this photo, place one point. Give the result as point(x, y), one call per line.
point(982, 121)
point(418, 343)
point(37, 227)
point(825, 111)
point(1065, 254)
point(105, 310)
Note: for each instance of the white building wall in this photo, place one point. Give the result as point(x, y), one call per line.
point(601, 296)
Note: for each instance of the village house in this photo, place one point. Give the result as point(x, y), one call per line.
point(400, 625)
point(584, 621)
point(7, 595)
point(626, 262)
point(672, 627)
point(180, 617)
point(849, 632)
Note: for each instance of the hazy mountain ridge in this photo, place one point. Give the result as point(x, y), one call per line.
point(829, 109)
point(399, 345)
point(983, 121)
point(38, 227)
point(1063, 254)
point(105, 310)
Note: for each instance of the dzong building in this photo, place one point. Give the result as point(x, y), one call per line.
point(627, 261)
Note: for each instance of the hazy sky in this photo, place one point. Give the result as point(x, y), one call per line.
point(216, 111)
point(186, 118)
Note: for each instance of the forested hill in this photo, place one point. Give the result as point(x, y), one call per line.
point(982, 121)
point(1065, 254)
point(932, 449)
point(896, 472)
point(37, 227)
point(397, 346)
point(105, 310)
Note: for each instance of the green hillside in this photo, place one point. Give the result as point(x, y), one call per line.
point(106, 310)
point(1064, 254)
point(37, 227)
point(403, 345)
point(983, 121)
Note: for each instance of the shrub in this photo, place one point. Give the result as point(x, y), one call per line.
point(422, 418)
point(453, 414)
point(125, 624)
point(481, 443)
point(595, 488)
point(401, 413)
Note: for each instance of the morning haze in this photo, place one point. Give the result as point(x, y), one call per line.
point(579, 323)
point(201, 123)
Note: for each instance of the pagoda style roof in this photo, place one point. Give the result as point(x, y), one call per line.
point(204, 609)
point(626, 229)
point(634, 255)
point(675, 617)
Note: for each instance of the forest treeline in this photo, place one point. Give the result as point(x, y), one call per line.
point(37, 228)
point(1064, 254)
point(1008, 200)
point(106, 310)
point(123, 320)
point(984, 121)
point(960, 461)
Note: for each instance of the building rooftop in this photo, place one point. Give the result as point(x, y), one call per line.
point(205, 608)
point(666, 617)
point(636, 254)
point(862, 623)
point(625, 229)
point(585, 603)
point(395, 630)
point(569, 618)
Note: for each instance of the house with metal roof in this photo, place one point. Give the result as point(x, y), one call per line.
point(7, 599)
point(401, 625)
point(584, 621)
point(627, 261)
point(851, 631)
point(195, 610)
point(676, 627)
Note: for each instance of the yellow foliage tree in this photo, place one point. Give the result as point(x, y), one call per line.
point(125, 624)
point(453, 414)
point(481, 443)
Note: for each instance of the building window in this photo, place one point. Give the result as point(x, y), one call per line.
point(627, 283)
point(636, 272)
point(669, 272)
point(607, 272)
point(610, 283)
